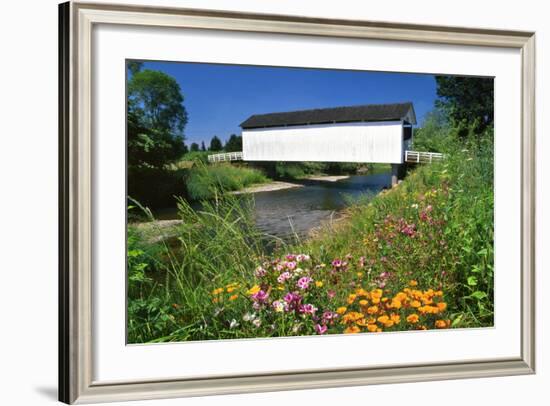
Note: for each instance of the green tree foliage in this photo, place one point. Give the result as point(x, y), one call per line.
point(215, 144)
point(234, 143)
point(134, 67)
point(156, 119)
point(194, 147)
point(203, 147)
point(468, 101)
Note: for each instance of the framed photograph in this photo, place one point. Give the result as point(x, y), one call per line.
point(264, 202)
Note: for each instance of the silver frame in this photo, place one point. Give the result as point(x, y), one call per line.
point(75, 271)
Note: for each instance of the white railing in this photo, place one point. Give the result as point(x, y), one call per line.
point(226, 157)
point(422, 157)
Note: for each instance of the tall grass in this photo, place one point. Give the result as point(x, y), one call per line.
point(204, 181)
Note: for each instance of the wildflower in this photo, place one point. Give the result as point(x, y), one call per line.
point(291, 265)
point(331, 294)
point(307, 309)
point(290, 257)
point(415, 304)
point(372, 328)
point(337, 263)
point(359, 275)
point(217, 291)
point(442, 306)
point(413, 283)
point(414, 206)
point(230, 289)
point(260, 296)
point(249, 316)
point(352, 330)
point(329, 316)
point(233, 297)
point(363, 302)
point(253, 290)
point(257, 322)
point(412, 318)
point(280, 306)
point(320, 329)
point(395, 318)
point(351, 298)
point(233, 324)
point(341, 310)
point(319, 284)
point(303, 282)
point(302, 257)
point(260, 272)
point(442, 323)
point(372, 310)
point(283, 277)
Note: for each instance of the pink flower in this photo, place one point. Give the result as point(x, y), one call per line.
point(307, 308)
point(259, 272)
point(291, 265)
point(290, 257)
point(260, 296)
point(337, 263)
point(283, 277)
point(303, 282)
point(320, 329)
point(331, 294)
point(302, 257)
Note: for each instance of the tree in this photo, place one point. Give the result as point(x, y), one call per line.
point(215, 144)
point(234, 143)
point(468, 101)
point(194, 147)
point(203, 147)
point(134, 67)
point(156, 119)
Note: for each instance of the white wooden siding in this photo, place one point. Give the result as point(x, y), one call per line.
point(341, 142)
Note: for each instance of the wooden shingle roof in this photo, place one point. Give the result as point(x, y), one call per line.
point(345, 114)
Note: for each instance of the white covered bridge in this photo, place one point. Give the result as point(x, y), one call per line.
point(374, 133)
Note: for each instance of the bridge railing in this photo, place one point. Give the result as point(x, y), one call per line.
point(422, 157)
point(226, 157)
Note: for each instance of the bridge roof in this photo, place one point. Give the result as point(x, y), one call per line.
point(344, 114)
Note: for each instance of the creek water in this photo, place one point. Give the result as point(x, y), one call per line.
point(284, 213)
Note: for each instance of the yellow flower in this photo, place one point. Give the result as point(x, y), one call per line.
point(363, 302)
point(217, 291)
point(352, 330)
point(442, 323)
point(442, 306)
point(230, 289)
point(361, 292)
point(359, 274)
point(412, 318)
point(351, 317)
point(351, 298)
point(372, 328)
point(233, 297)
point(416, 303)
point(383, 319)
point(413, 283)
point(341, 310)
point(362, 322)
point(253, 290)
point(396, 304)
point(395, 318)
point(319, 284)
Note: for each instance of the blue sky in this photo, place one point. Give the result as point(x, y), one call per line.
point(219, 97)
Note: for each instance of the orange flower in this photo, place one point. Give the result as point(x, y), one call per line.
point(442, 306)
point(372, 328)
point(413, 283)
point(352, 330)
point(217, 291)
point(363, 302)
point(395, 318)
point(341, 310)
point(412, 318)
point(416, 303)
point(372, 310)
point(351, 298)
point(442, 323)
point(233, 297)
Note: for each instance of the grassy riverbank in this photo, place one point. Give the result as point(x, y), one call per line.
point(418, 256)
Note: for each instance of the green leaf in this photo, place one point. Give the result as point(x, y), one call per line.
point(479, 295)
point(472, 280)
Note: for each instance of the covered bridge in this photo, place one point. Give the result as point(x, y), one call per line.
point(373, 133)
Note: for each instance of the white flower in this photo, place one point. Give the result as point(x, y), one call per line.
point(414, 206)
point(257, 322)
point(233, 324)
point(249, 316)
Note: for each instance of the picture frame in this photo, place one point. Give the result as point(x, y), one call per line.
point(76, 215)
